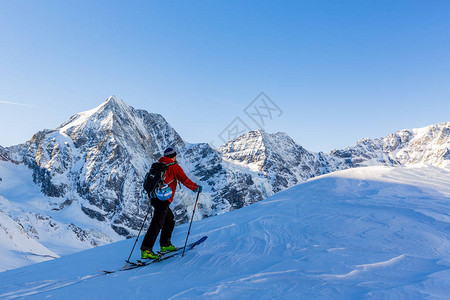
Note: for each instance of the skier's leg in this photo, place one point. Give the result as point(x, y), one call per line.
point(166, 233)
point(156, 224)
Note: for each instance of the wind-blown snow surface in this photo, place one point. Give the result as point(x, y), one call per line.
point(374, 232)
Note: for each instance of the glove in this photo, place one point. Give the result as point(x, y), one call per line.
point(199, 189)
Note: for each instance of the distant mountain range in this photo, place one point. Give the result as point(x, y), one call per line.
point(93, 166)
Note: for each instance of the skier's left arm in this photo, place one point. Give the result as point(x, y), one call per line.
point(182, 177)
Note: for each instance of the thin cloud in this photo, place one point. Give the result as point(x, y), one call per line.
point(15, 103)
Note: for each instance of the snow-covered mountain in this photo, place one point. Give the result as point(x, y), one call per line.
point(423, 146)
point(279, 159)
point(275, 157)
point(363, 233)
point(86, 175)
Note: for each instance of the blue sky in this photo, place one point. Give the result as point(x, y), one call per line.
point(338, 70)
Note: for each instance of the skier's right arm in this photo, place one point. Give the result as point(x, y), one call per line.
point(182, 177)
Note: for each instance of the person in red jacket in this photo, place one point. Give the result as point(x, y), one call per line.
point(163, 219)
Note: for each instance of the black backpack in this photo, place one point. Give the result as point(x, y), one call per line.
point(155, 177)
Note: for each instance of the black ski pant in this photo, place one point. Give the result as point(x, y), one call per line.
point(163, 220)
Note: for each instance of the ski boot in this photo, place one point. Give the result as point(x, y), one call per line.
point(169, 248)
point(147, 254)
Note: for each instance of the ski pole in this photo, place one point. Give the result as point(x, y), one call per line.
point(128, 260)
point(189, 231)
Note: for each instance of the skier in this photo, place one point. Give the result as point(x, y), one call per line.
point(163, 219)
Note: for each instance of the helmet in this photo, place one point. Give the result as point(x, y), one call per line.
point(163, 193)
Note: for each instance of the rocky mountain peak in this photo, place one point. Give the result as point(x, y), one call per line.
point(249, 149)
point(100, 118)
point(256, 148)
point(117, 106)
point(272, 155)
point(114, 99)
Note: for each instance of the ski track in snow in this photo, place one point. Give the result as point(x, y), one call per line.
point(366, 234)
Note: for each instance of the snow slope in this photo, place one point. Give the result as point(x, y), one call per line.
point(374, 232)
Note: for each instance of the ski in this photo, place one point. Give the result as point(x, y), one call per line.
point(163, 256)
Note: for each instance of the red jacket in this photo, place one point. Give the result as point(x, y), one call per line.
point(174, 174)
